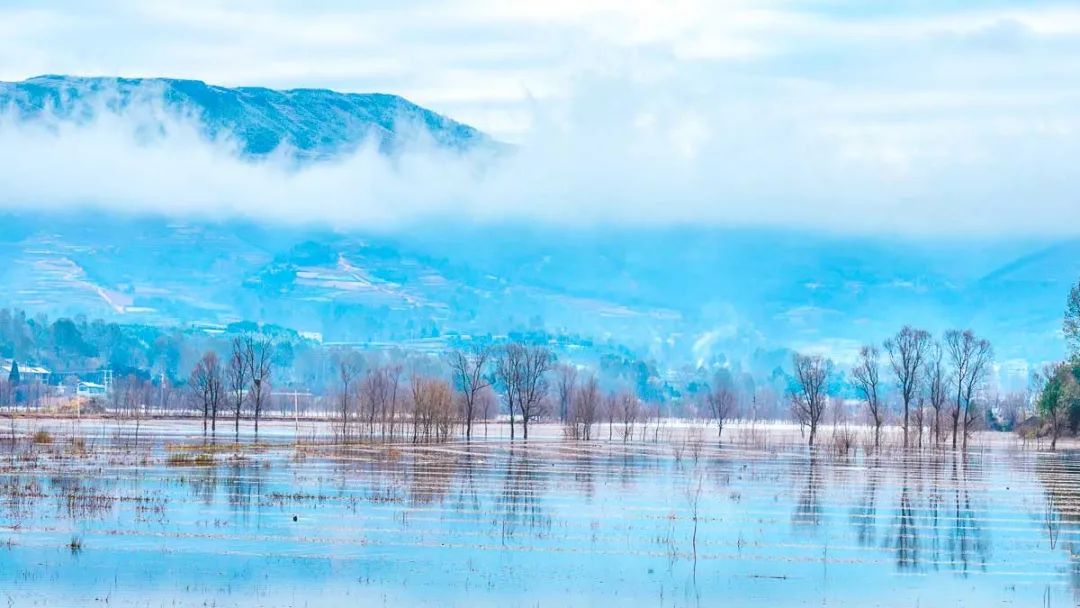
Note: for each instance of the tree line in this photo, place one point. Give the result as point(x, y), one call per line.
point(938, 382)
point(935, 386)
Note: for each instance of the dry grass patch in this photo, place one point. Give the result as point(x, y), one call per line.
point(41, 437)
point(189, 459)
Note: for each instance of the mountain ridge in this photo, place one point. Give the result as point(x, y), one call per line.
point(312, 123)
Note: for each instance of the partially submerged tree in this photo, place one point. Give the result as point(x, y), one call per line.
point(629, 410)
point(866, 377)
point(348, 368)
point(258, 356)
point(566, 379)
point(907, 352)
point(522, 370)
point(722, 403)
point(375, 390)
point(610, 407)
point(469, 370)
point(508, 372)
point(809, 395)
point(207, 387)
point(584, 408)
point(392, 374)
point(936, 385)
point(236, 380)
point(433, 408)
point(971, 358)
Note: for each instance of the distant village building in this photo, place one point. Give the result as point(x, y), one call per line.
point(27, 373)
point(90, 389)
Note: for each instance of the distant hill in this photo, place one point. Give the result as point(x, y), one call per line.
point(675, 295)
point(315, 123)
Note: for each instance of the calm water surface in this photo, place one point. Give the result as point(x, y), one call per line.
point(550, 523)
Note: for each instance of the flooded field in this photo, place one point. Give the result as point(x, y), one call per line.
point(90, 516)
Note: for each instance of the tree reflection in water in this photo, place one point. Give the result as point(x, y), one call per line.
point(520, 502)
point(864, 516)
point(243, 486)
point(968, 543)
point(936, 519)
point(907, 529)
point(430, 476)
point(808, 510)
point(1061, 507)
point(203, 483)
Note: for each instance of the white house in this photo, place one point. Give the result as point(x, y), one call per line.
point(90, 389)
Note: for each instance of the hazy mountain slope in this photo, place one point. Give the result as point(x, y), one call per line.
point(314, 122)
point(677, 294)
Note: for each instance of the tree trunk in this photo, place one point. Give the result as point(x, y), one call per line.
point(905, 424)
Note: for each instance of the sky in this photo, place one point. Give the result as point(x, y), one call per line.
point(920, 116)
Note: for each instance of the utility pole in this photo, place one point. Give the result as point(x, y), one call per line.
point(295, 394)
point(296, 411)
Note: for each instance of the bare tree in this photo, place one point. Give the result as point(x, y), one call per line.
point(388, 407)
point(971, 358)
point(918, 417)
point(348, 365)
point(629, 409)
point(258, 356)
point(207, 388)
point(533, 393)
point(487, 406)
point(469, 373)
point(722, 403)
point(508, 371)
point(523, 372)
point(375, 394)
point(611, 412)
point(565, 385)
point(584, 408)
point(433, 408)
point(236, 377)
point(936, 382)
point(866, 376)
point(907, 351)
point(809, 395)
